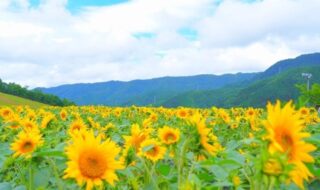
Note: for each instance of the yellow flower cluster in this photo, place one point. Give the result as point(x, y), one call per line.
point(169, 148)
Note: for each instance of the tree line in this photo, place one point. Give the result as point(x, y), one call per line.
point(36, 95)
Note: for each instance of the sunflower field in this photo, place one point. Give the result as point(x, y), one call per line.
point(97, 147)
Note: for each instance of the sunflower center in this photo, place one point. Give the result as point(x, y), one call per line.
point(169, 137)
point(6, 113)
point(154, 151)
point(27, 146)
point(287, 143)
point(76, 127)
point(92, 164)
point(183, 114)
point(29, 125)
point(304, 112)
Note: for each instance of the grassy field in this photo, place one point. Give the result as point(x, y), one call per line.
point(6, 100)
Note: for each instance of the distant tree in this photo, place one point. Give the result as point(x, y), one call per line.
point(312, 96)
point(36, 95)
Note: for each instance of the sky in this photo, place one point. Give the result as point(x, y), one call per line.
point(46, 43)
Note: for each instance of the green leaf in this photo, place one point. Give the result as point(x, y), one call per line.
point(5, 186)
point(54, 153)
point(231, 145)
point(21, 187)
point(229, 165)
point(164, 169)
point(41, 177)
point(222, 184)
point(235, 156)
point(219, 172)
point(2, 160)
point(5, 149)
point(147, 148)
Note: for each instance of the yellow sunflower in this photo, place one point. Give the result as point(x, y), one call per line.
point(208, 141)
point(63, 115)
point(46, 120)
point(92, 161)
point(250, 112)
point(76, 126)
point(26, 143)
point(152, 150)
point(14, 121)
point(29, 125)
point(182, 113)
point(136, 138)
point(169, 135)
point(6, 112)
point(286, 136)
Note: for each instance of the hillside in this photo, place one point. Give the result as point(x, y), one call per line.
point(142, 92)
point(34, 95)
point(300, 61)
point(281, 86)
point(9, 100)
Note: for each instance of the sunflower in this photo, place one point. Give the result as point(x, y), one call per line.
point(29, 125)
point(63, 115)
point(46, 120)
point(152, 150)
point(6, 112)
point(169, 135)
point(224, 116)
point(92, 161)
point(26, 143)
point(136, 138)
point(285, 135)
point(13, 121)
point(304, 111)
point(153, 117)
point(76, 126)
point(208, 141)
point(182, 113)
point(250, 112)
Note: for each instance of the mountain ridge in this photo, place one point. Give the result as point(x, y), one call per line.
point(127, 90)
point(159, 91)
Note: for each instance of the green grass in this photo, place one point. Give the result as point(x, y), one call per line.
point(9, 100)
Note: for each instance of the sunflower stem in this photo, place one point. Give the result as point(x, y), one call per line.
point(30, 175)
point(55, 172)
point(271, 183)
point(181, 162)
point(149, 173)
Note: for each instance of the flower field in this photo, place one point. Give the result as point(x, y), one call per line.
point(98, 147)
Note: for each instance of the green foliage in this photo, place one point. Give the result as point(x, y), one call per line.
point(35, 95)
point(311, 96)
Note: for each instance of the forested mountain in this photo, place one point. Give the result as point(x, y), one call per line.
point(142, 92)
point(242, 89)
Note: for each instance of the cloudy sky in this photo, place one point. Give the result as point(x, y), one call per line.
point(53, 42)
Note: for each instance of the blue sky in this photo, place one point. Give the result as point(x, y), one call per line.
point(99, 40)
point(78, 4)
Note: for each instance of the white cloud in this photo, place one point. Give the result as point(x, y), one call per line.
point(48, 45)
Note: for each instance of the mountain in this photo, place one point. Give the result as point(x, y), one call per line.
point(242, 89)
point(9, 100)
point(300, 61)
point(258, 93)
point(142, 92)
